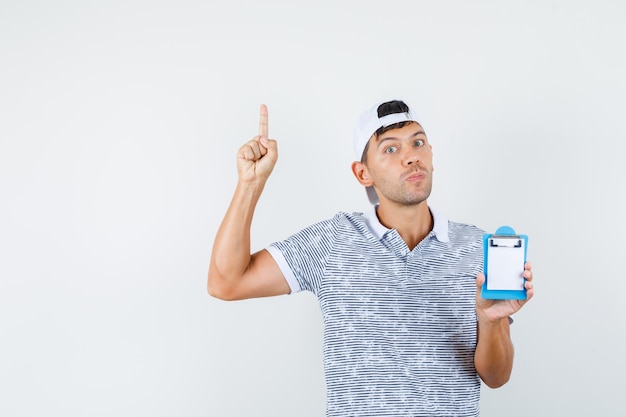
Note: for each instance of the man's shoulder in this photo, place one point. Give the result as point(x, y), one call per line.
point(465, 227)
point(345, 216)
point(454, 229)
point(464, 231)
point(340, 220)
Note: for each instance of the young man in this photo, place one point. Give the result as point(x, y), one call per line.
point(405, 329)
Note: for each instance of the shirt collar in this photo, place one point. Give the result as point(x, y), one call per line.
point(440, 226)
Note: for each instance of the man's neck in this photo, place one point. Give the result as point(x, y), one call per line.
point(413, 223)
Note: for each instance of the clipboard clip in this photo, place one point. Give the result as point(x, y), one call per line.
point(505, 241)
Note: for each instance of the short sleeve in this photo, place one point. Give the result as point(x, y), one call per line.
point(303, 256)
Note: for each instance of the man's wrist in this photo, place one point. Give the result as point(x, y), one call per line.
point(486, 321)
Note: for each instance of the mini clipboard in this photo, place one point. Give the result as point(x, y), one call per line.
point(504, 259)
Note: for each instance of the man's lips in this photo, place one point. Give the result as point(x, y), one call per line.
point(414, 176)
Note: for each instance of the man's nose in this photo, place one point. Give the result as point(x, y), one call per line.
point(411, 157)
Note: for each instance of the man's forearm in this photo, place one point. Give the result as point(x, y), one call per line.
point(493, 358)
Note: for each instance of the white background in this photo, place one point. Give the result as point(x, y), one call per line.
point(119, 125)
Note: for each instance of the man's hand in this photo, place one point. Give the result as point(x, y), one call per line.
point(256, 159)
point(494, 310)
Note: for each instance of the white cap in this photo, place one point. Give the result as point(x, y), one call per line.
point(367, 124)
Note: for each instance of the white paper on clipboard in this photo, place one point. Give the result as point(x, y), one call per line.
point(505, 267)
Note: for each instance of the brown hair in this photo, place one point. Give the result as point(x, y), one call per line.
point(385, 109)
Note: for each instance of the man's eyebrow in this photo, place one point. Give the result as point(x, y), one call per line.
point(419, 132)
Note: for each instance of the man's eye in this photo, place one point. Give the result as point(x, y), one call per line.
point(390, 149)
point(419, 142)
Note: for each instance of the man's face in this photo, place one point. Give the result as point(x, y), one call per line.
point(399, 164)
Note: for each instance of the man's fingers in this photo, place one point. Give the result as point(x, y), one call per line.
point(480, 280)
point(253, 150)
point(263, 127)
point(528, 274)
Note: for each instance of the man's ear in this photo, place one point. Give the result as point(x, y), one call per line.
point(359, 169)
point(431, 153)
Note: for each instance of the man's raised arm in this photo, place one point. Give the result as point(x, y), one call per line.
point(235, 273)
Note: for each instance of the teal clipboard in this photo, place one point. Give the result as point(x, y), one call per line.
point(504, 259)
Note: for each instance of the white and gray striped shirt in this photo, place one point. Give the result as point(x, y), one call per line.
point(399, 325)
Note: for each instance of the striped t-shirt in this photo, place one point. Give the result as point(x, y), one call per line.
point(399, 325)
